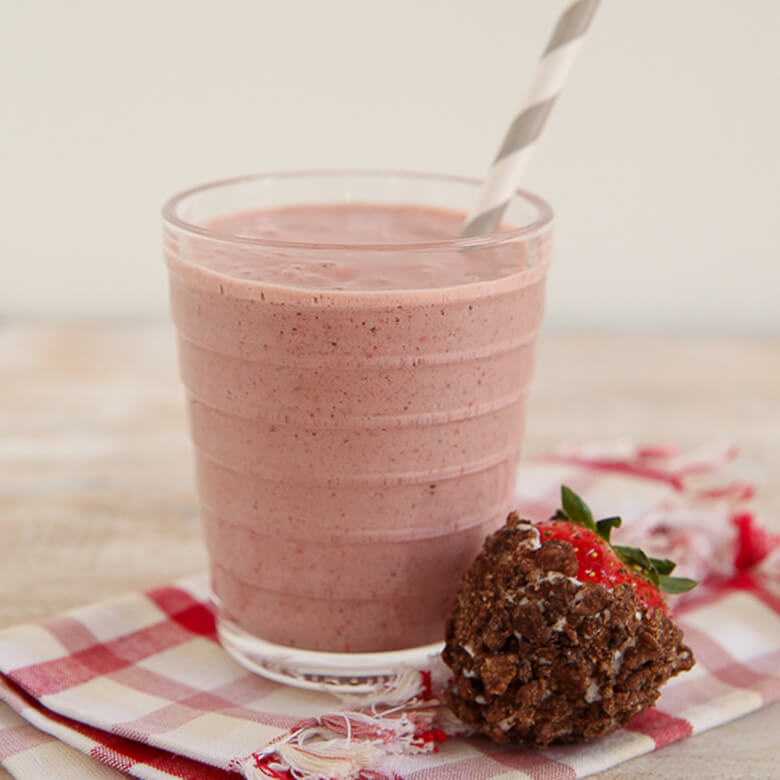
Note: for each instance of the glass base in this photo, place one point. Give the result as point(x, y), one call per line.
point(317, 670)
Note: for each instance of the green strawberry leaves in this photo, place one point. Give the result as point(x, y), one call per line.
point(675, 584)
point(657, 570)
point(576, 510)
point(663, 565)
point(604, 527)
point(634, 556)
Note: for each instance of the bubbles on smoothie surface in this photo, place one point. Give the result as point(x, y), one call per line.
point(372, 268)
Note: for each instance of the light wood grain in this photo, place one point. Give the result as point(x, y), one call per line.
point(97, 494)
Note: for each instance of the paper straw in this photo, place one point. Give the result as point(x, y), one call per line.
point(505, 172)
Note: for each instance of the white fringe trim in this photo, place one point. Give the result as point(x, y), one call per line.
point(402, 717)
point(406, 685)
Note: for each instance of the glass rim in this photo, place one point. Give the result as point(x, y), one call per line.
point(543, 219)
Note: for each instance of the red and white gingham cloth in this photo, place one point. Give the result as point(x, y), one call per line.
point(139, 685)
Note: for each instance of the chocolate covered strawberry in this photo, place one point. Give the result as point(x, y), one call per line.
point(558, 635)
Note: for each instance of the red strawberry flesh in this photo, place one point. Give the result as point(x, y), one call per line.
point(598, 562)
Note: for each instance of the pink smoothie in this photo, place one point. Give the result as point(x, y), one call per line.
point(357, 414)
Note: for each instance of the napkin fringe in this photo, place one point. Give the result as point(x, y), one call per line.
point(358, 743)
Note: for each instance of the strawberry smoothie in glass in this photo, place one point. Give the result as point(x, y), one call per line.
point(356, 380)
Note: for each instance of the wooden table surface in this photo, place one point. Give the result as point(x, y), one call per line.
point(96, 484)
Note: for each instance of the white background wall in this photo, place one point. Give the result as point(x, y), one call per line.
point(662, 158)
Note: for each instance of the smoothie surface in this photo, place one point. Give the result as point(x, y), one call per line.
point(371, 262)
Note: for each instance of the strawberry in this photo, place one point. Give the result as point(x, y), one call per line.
point(606, 564)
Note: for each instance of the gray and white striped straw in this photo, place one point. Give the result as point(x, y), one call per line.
point(505, 172)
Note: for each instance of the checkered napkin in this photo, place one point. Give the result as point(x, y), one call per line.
point(138, 684)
